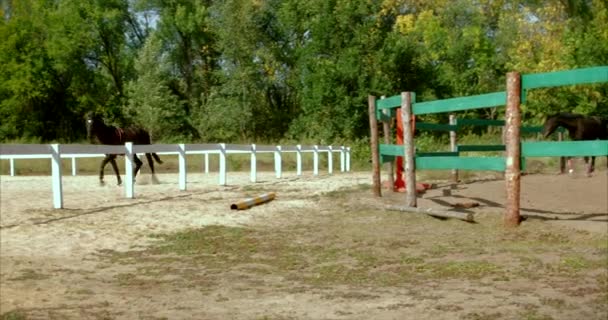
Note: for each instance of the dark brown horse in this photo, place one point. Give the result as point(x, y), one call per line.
point(579, 127)
point(118, 136)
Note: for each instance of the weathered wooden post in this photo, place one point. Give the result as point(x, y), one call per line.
point(408, 146)
point(453, 145)
point(386, 128)
point(375, 152)
point(513, 149)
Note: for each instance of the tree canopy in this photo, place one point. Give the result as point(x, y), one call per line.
point(266, 70)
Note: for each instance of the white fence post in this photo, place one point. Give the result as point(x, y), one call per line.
point(56, 172)
point(330, 160)
point(348, 159)
point(73, 166)
point(182, 166)
point(206, 162)
point(299, 160)
point(222, 172)
point(129, 183)
point(315, 160)
point(278, 162)
point(253, 166)
point(12, 161)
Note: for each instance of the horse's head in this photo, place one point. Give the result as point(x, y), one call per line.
point(92, 120)
point(550, 125)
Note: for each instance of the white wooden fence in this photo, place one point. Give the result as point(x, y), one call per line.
point(56, 152)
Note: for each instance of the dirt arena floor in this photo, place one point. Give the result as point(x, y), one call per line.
point(92, 259)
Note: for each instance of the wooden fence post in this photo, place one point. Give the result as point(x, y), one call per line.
point(453, 145)
point(386, 129)
point(513, 149)
point(375, 152)
point(408, 146)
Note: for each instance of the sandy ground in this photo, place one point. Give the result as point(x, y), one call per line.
point(60, 246)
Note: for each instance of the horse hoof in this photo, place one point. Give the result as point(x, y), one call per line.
point(101, 183)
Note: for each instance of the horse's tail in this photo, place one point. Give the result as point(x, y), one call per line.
point(155, 156)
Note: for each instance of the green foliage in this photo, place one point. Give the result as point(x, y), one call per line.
point(251, 70)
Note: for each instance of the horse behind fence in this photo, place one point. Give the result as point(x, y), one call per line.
point(580, 127)
point(111, 135)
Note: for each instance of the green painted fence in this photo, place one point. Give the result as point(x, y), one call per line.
point(462, 163)
point(452, 160)
point(564, 148)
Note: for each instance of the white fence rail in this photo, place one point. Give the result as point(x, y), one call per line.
point(56, 152)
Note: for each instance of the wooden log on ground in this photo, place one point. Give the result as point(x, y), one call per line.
point(465, 216)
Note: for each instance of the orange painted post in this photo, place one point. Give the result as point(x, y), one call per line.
point(375, 152)
point(408, 146)
point(513, 149)
point(399, 184)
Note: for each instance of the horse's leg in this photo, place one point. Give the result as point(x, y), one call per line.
point(102, 167)
point(590, 165)
point(151, 164)
point(570, 168)
point(138, 164)
point(115, 167)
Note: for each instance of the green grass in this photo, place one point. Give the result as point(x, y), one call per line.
point(13, 315)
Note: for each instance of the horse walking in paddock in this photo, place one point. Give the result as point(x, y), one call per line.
point(579, 127)
point(118, 136)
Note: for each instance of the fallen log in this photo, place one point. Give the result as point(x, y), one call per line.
point(465, 216)
point(248, 203)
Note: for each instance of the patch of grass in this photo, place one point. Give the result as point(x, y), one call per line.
point(13, 315)
point(463, 269)
point(30, 274)
point(345, 192)
point(534, 315)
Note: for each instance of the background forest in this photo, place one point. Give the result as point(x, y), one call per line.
point(279, 70)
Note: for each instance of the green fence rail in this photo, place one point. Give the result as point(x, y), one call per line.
point(564, 148)
point(385, 110)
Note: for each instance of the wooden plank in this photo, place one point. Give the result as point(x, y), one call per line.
point(464, 216)
point(25, 149)
point(391, 149)
point(565, 78)
point(389, 103)
point(480, 122)
point(480, 147)
point(374, 145)
point(464, 163)
point(462, 103)
point(438, 154)
point(565, 148)
point(435, 126)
